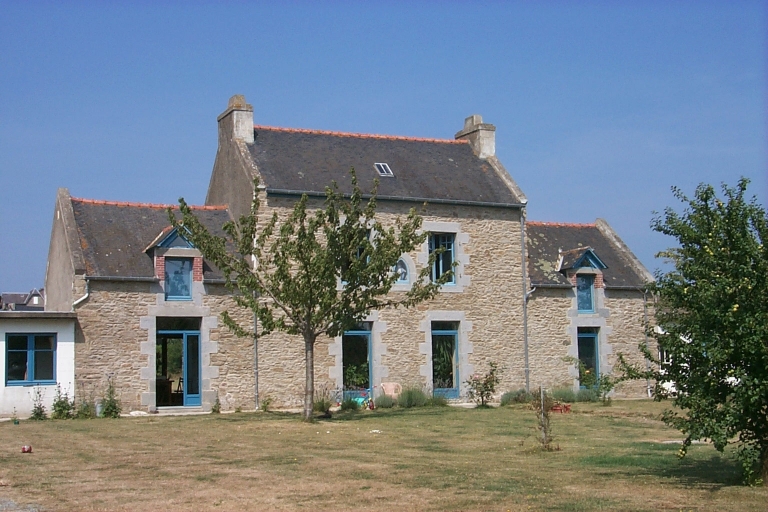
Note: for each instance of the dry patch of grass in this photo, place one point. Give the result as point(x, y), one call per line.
point(610, 458)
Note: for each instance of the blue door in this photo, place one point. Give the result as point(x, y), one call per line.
point(178, 368)
point(445, 352)
point(356, 362)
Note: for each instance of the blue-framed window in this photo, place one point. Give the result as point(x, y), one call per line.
point(589, 357)
point(585, 293)
point(445, 356)
point(30, 359)
point(178, 278)
point(444, 261)
point(356, 361)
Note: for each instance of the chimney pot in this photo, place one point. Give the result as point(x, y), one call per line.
point(239, 117)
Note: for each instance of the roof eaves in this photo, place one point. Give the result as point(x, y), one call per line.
point(313, 193)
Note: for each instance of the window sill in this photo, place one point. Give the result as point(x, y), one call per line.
point(30, 383)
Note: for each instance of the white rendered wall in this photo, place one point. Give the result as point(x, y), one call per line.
point(20, 397)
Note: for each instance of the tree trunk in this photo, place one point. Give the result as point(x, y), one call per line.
point(309, 385)
point(764, 465)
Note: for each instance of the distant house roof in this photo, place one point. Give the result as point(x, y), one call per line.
point(12, 301)
point(295, 160)
point(546, 242)
point(114, 235)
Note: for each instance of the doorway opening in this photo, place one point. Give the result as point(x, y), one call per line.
point(178, 369)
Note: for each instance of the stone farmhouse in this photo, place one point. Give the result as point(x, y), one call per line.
point(143, 305)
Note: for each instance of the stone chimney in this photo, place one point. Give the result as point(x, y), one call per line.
point(237, 119)
point(481, 136)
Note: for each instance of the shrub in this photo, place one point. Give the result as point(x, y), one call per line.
point(588, 395)
point(563, 395)
point(520, 396)
point(85, 409)
point(266, 404)
point(482, 387)
point(110, 405)
point(412, 397)
point(216, 407)
point(63, 408)
point(38, 409)
point(323, 400)
point(437, 401)
point(384, 402)
point(350, 404)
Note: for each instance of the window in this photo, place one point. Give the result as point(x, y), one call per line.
point(589, 370)
point(585, 285)
point(444, 261)
point(356, 357)
point(401, 269)
point(30, 359)
point(445, 374)
point(384, 170)
point(178, 278)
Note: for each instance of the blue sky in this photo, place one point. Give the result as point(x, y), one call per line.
point(600, 107)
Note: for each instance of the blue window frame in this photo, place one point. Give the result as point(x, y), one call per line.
point(178, 360)
point(356, 362)
point(585, 293)
point(589, 369)
point(178, 278)
point(30, 359)
point(445, 356)
point(444, 261)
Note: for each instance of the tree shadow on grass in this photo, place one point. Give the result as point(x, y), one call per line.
point(702, 467)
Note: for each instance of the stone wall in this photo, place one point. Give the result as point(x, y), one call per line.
point(553, 323)
point(487, 302)
point(116, 339)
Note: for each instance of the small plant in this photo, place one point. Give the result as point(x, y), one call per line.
point(110, 405)
point(384, 402)
point(239, 409)
point(14, 418)
point(520, 396)
point(482, 387)
point(589, 395)
point(85, 403)
point(566, 395)
point(412, 397)
point(437, 401)
point(323, 401)
point(266, 403)
point(38, 409)
point(63, 407)
point(602, 385)
point(350, 404)
point(542, 405)
point(216, 407)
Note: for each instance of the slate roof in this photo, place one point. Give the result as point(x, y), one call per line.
point(441, 170)
point(114, 235)
point(545, 240)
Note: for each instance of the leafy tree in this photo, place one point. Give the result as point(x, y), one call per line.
point(713, 313)
point(319, 271)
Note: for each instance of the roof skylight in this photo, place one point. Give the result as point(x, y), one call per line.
point(384, 170)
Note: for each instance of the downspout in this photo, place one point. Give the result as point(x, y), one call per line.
point(525, 300)
point(645, 323)
point(255, 361)
point(87, 293)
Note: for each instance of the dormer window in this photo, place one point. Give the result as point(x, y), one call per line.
point(384, 170)
point(585, 296)
point(178, 278)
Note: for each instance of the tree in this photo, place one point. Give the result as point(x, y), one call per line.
point(713, 313)
point(317, 272)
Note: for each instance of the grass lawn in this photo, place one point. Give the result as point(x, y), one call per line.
point(444, 458)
